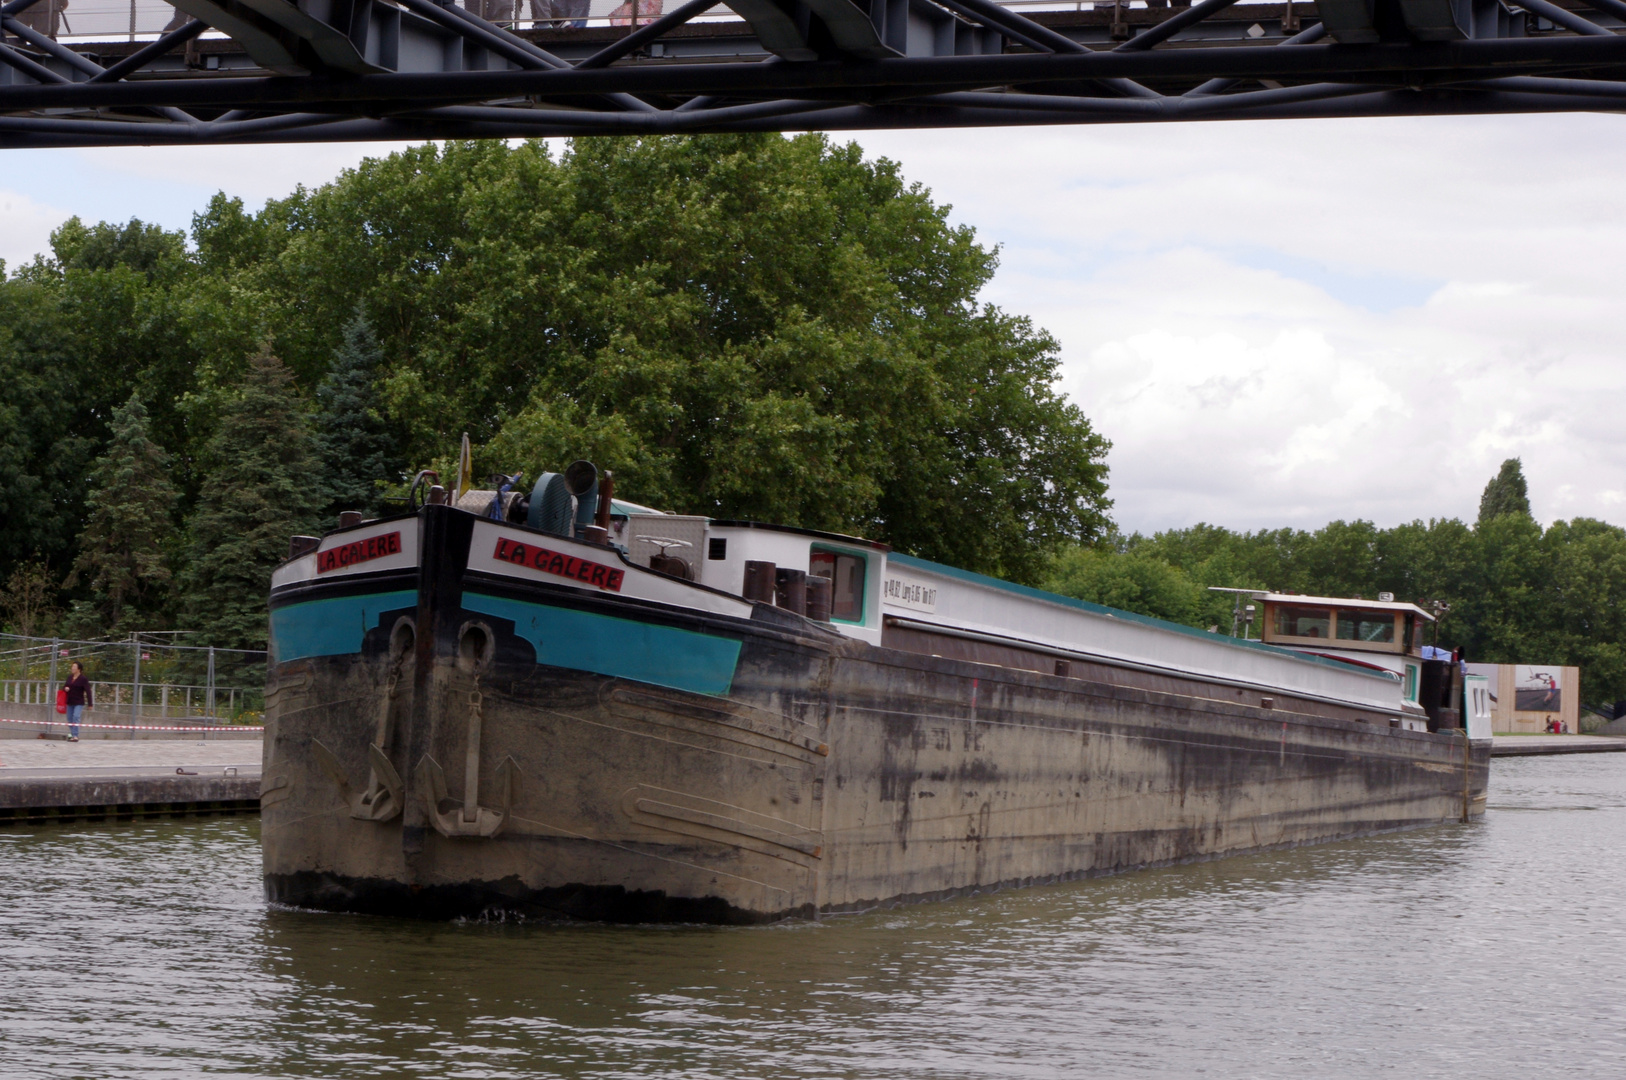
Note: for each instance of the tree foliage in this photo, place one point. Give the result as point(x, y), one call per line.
point(1514, 592)
point(356, 447)
point(129, 538)
point(741, 326)
point(257, 493)
point(1505, 494)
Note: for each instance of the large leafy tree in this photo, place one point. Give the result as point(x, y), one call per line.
point(259, 490)
point(109, 311)
point(741, 326)
point(46, 439)
point(127, 543)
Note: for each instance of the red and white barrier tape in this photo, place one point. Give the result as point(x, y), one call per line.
point(131, 727)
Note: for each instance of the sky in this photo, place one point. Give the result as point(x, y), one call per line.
point(1277, 323)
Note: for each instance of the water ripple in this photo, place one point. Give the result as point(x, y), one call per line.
point(147, 950)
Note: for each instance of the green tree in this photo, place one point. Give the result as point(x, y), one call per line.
point(1505, 494)
point(28, 601)
point(257, 493)
point(739, 326)
point(128, 540)
point(149, 250)
point(353, 442)
point(1132, 581)
point(46, 441)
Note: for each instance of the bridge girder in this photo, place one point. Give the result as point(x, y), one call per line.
point(329, 70)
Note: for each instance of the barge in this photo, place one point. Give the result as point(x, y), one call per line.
point(568, 706)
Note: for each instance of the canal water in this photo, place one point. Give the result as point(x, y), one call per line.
point(1486, 951)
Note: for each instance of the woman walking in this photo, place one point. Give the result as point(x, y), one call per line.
point(79, 699)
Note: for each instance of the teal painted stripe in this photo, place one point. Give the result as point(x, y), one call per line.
point(331, 627)
point(623, 648)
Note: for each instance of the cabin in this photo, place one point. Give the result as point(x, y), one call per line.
point(1376, 633)
point(1380, 634)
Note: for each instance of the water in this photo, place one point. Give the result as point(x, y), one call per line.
point(1487, 951)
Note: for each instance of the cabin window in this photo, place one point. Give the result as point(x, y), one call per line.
point(1365, 626)
point(1303, 622)
point(1411, 682)
point(846, 574)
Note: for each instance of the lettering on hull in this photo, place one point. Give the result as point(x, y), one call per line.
point(559, 564)
point(359, 551)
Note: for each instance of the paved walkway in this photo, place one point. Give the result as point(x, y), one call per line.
point(1532, 745)
point(45, 757)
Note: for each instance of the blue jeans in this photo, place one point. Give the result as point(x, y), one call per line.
point(74, 713)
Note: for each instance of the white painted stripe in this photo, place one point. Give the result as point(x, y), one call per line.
point(304, 567)
point(637, 582)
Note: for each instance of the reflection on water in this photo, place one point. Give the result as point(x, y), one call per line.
point(1488, 951)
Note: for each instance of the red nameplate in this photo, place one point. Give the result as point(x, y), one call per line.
point(553, 562)
point(359, 551)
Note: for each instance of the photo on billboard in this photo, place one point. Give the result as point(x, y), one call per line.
point(1535, 689)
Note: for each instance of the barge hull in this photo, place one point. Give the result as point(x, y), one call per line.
point(728, 767)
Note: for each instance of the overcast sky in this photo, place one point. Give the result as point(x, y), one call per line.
point(1276, 323)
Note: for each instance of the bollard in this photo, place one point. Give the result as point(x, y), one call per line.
point(790, 590)
point(818, 598)
point(759, 581)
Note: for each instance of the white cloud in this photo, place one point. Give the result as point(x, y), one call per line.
point(1286, 323)
point(252, 173)
point(25, 227)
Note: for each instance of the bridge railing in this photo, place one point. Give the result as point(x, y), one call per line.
point(145, 20)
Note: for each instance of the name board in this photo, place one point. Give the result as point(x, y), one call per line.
point(358, 551)
point(907, 592)
point(560, 564)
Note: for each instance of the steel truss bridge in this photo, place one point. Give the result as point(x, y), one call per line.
point(329, 70)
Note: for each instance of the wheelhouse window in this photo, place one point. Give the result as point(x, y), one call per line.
point(1303, 622)
point(1366, 626)
point(846, 574)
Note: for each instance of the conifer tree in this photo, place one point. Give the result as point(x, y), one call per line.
point(128, 540)
point(1505, 494)
point(260, 488)
point(355, 446)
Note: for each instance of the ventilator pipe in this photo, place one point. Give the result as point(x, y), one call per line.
point(582, 479)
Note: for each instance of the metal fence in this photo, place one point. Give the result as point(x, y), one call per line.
point(139, 679)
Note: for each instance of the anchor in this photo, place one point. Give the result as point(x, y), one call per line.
point(385, 796)
point(471, 819)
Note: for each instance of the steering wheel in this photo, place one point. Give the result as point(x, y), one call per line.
point(422, 482)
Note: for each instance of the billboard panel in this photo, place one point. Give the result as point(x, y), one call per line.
point(1536, 688)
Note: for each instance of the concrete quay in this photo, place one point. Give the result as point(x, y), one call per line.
point(1536, 745)
point(49, 780)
